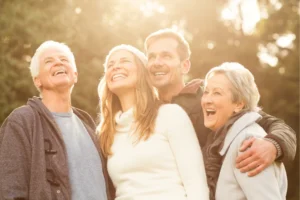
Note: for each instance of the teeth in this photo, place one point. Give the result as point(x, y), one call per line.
point(210, 111)
point(118, 76)
point(159, 73)
point(59, 72)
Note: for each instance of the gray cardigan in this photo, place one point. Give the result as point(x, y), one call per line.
point(271, 184)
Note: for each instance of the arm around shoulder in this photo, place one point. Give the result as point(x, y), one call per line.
point(280, 132)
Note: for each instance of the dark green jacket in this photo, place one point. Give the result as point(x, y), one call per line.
point(190, 100)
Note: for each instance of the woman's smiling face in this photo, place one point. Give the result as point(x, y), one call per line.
point(121, 72)
point(217, 103)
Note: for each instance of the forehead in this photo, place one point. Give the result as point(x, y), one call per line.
point(163, 45)
point(120, 54)
point(218, 81)
point(52, 52)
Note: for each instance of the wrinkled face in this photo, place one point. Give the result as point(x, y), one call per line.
point(164, 65)
point(121, 72)
point(217, 102)
point(56, 71)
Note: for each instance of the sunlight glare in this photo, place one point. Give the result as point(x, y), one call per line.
point(266, 58)
point(210, 45)
point(281, 70)
point(77, 10)
point(228, 14)
point(150, 8)
point(266, 55)
point(250, 14)
point(276, 4)
point(286, 41)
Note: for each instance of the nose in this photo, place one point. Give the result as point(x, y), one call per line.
point(116, 66)
point(206, 98)
point(158, 61)
point(58, 61)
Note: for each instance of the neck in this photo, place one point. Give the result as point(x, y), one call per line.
point(57, 102)
point(166, 94)
point(127, 101)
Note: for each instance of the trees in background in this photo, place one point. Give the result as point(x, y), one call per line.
point(91, 28)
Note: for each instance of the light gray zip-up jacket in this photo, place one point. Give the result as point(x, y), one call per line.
point(271, 184)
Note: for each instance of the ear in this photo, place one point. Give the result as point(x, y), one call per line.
point(75, 77)
point(185, 66)
point(37, 82)
point(239, 106)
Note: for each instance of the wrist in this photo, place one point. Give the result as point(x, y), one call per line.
point(276, 145)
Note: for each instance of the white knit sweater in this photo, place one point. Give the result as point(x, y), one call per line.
point(167, 166)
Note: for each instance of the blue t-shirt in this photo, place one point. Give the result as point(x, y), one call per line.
point(85, 167)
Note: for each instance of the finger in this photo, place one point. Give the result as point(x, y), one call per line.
point(243, 156)
point(247, 144)
point(249, 159)
point(257, 170)
point(250, 167)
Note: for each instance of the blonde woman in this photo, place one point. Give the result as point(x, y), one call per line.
point(151, 149)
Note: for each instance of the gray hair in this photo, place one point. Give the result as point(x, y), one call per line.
point(35, 61)
point(243, 84)
point(140, 55)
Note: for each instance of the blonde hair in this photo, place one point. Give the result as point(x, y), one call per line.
point(145, 111)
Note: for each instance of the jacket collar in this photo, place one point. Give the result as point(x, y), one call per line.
point(192, 87)
point(243, 122)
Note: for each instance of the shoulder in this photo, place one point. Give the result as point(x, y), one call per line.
point(171, 114)
point(85, 117)
point(20, 114)
point(253, 130)
point(20, 121)
point(170, 109)
point(243, 128)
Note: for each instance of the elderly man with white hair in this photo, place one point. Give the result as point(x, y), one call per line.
point(47, 147)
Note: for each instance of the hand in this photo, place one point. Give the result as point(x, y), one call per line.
point(257, 155)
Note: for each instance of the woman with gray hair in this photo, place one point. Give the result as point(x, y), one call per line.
point(230, 109)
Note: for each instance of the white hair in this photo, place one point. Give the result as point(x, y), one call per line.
point(35, 60)
point(140, 55)
point(243, 84)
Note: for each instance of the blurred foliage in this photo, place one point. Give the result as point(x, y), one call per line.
point(92, 27)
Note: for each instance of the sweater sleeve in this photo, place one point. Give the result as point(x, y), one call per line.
point(14, 161)
point(184, 144)
point(282, 134)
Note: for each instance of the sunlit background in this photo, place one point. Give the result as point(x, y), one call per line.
point(263, 35)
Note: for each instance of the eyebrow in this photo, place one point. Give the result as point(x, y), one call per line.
point(50, 57)
point(160, 53)
point(215, 88)
point(122, 58)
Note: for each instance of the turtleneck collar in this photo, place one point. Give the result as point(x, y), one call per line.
point(124, 120)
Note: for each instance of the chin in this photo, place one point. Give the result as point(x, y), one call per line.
point(209, 126)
